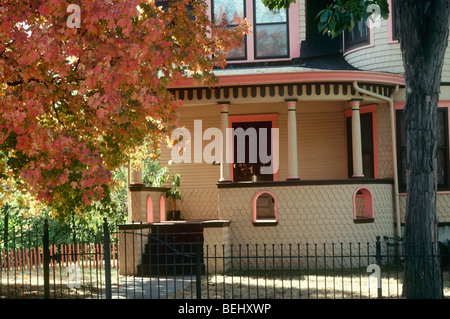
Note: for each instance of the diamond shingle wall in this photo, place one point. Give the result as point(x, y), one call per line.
point(314, 214)
point(384, 141)
point(199, 203)
point(442, 203)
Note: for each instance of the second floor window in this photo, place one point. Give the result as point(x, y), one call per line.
point(358, 36)
point(229, 13)
point(270, 37)
point(271, 32)
point(443, 176)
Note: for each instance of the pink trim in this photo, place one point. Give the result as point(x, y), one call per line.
point(149, 209)
point(368, 202)
point(441, 104)
point(294, 34)
point(370, 45)
point(390, 28)
point(301, 77)
point(250, 39)
point(370, 109)
point(162, 208)
point(272, 117)
point(254, 200)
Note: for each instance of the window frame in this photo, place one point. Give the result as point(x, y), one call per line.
point(369, 208)
point(234, 25)
point(267, 117)
point(402, 148)
point(264, 221)
point(255, 39)
point(293, 34)
point(391, 29)
point(361, 43)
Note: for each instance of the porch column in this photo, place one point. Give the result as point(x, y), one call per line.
point(137, 176)
point(292, 140)
point(224, 165)
point(356, 139)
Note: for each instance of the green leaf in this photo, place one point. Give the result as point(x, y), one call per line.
point(324, 16)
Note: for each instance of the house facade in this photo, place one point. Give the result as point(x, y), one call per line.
point(311, 146)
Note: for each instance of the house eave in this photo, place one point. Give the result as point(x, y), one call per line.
point(242, 77)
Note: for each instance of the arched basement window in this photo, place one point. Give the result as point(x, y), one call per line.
point(149, 209)
point(162, 208)
point(264, 209)
point(363, 211)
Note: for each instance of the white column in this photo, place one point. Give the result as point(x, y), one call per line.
point(292, 140)
point(224, 165)
point(356, 139)
point(137, 176)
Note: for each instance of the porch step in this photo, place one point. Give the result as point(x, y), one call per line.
point(171, 250)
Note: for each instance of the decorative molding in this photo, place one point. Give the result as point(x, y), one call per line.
point(306, 183)
point(281, 92)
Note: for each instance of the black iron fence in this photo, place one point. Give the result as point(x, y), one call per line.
point(140, 261)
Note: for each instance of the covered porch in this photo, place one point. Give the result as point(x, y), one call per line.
point(331, 166)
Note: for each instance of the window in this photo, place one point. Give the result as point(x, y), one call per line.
point(367, 145)
point(357, 37)
point(247, 147)
point(394, 29)
point(271, 34)
point(254, 148)
point(229, 13)
point(264, 208)
point(363, 205)
point(442, 150)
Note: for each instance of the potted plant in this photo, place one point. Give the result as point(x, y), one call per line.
point(174, 193)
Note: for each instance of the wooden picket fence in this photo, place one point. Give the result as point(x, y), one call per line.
point(85, 255)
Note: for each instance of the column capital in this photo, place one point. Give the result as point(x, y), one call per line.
point(224, 106)
point(291, 104)
point(355, 103)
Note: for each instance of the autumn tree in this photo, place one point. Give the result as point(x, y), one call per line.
point(78, 102)
point(423, 29)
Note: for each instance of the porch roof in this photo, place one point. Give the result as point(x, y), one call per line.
point(293, 74)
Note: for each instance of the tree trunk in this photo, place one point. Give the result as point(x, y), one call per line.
point(423, 32)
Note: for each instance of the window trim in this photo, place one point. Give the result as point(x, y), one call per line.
point(211, 4)
point(255, 25)
point(391, 34)
point(267, 117)
point(264, 222)
point(369, 208)
point(442, 106)
point(293, 25)
point(349, 47)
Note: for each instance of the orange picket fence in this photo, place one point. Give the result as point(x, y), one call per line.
point(85, 255)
